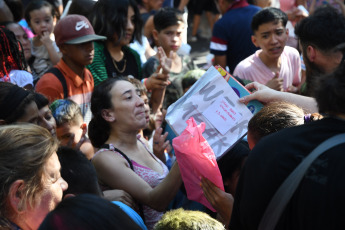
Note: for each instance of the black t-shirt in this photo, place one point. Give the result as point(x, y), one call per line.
point(127, 66)
point(319, 201)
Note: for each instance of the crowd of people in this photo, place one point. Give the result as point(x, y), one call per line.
point(84, 88)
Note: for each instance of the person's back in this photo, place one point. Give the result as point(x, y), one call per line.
point(275, 65)
point(319, 199)
point(231, 35)
point(69, 78)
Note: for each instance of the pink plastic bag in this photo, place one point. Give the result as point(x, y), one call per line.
point(195, 158)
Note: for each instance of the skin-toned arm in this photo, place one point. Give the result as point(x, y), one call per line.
point(114, 171)
point(182, 4)
point(162, 74)
point(148, 27)
point(122, 196)
point(220, 60)
point(221, 201)
point(5, 13)
point(48, 43)
point(267, 95)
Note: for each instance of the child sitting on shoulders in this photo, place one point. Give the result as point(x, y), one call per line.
point(39, 15)
point(275, 65)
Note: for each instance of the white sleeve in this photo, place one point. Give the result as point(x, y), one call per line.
point(21, 78)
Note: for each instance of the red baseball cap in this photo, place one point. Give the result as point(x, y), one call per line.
point(75, 29)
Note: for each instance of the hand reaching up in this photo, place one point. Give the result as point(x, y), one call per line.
point(160, 144)
point(164, 61)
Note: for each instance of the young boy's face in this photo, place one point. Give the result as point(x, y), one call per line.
point(78, 54)
point(69, 133)
point(170, 38)
point(271, 37)
point(41, 21)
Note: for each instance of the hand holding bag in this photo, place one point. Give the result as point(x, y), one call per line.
point(196, 160)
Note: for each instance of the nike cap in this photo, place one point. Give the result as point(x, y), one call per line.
point(75, 29)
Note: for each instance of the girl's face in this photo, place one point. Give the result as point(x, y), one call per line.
point(21, 36)
point(41, 21)
point(130, 27)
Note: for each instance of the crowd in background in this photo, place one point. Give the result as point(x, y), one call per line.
point(84, 90)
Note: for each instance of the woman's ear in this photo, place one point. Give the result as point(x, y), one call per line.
point(16, 195)
point(108, 115)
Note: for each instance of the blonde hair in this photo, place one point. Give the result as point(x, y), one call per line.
point(187, 220)
point(24, 151)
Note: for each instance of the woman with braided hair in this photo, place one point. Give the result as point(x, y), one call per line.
point(12, 61)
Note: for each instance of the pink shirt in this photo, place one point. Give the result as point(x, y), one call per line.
point(253, 69)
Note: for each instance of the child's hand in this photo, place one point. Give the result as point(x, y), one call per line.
point(165, 62)
point(45, 39)
point(275, 83)
point(160, 143)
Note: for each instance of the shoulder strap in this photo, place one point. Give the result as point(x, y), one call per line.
point(284, 193)
point(61, 78)
point(107, 146)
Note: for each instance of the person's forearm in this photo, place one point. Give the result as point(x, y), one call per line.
point(220, 60)
point(53, 55)
point(160, 196)
point(308, 104)
point(182, 4)
point(157, 98)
